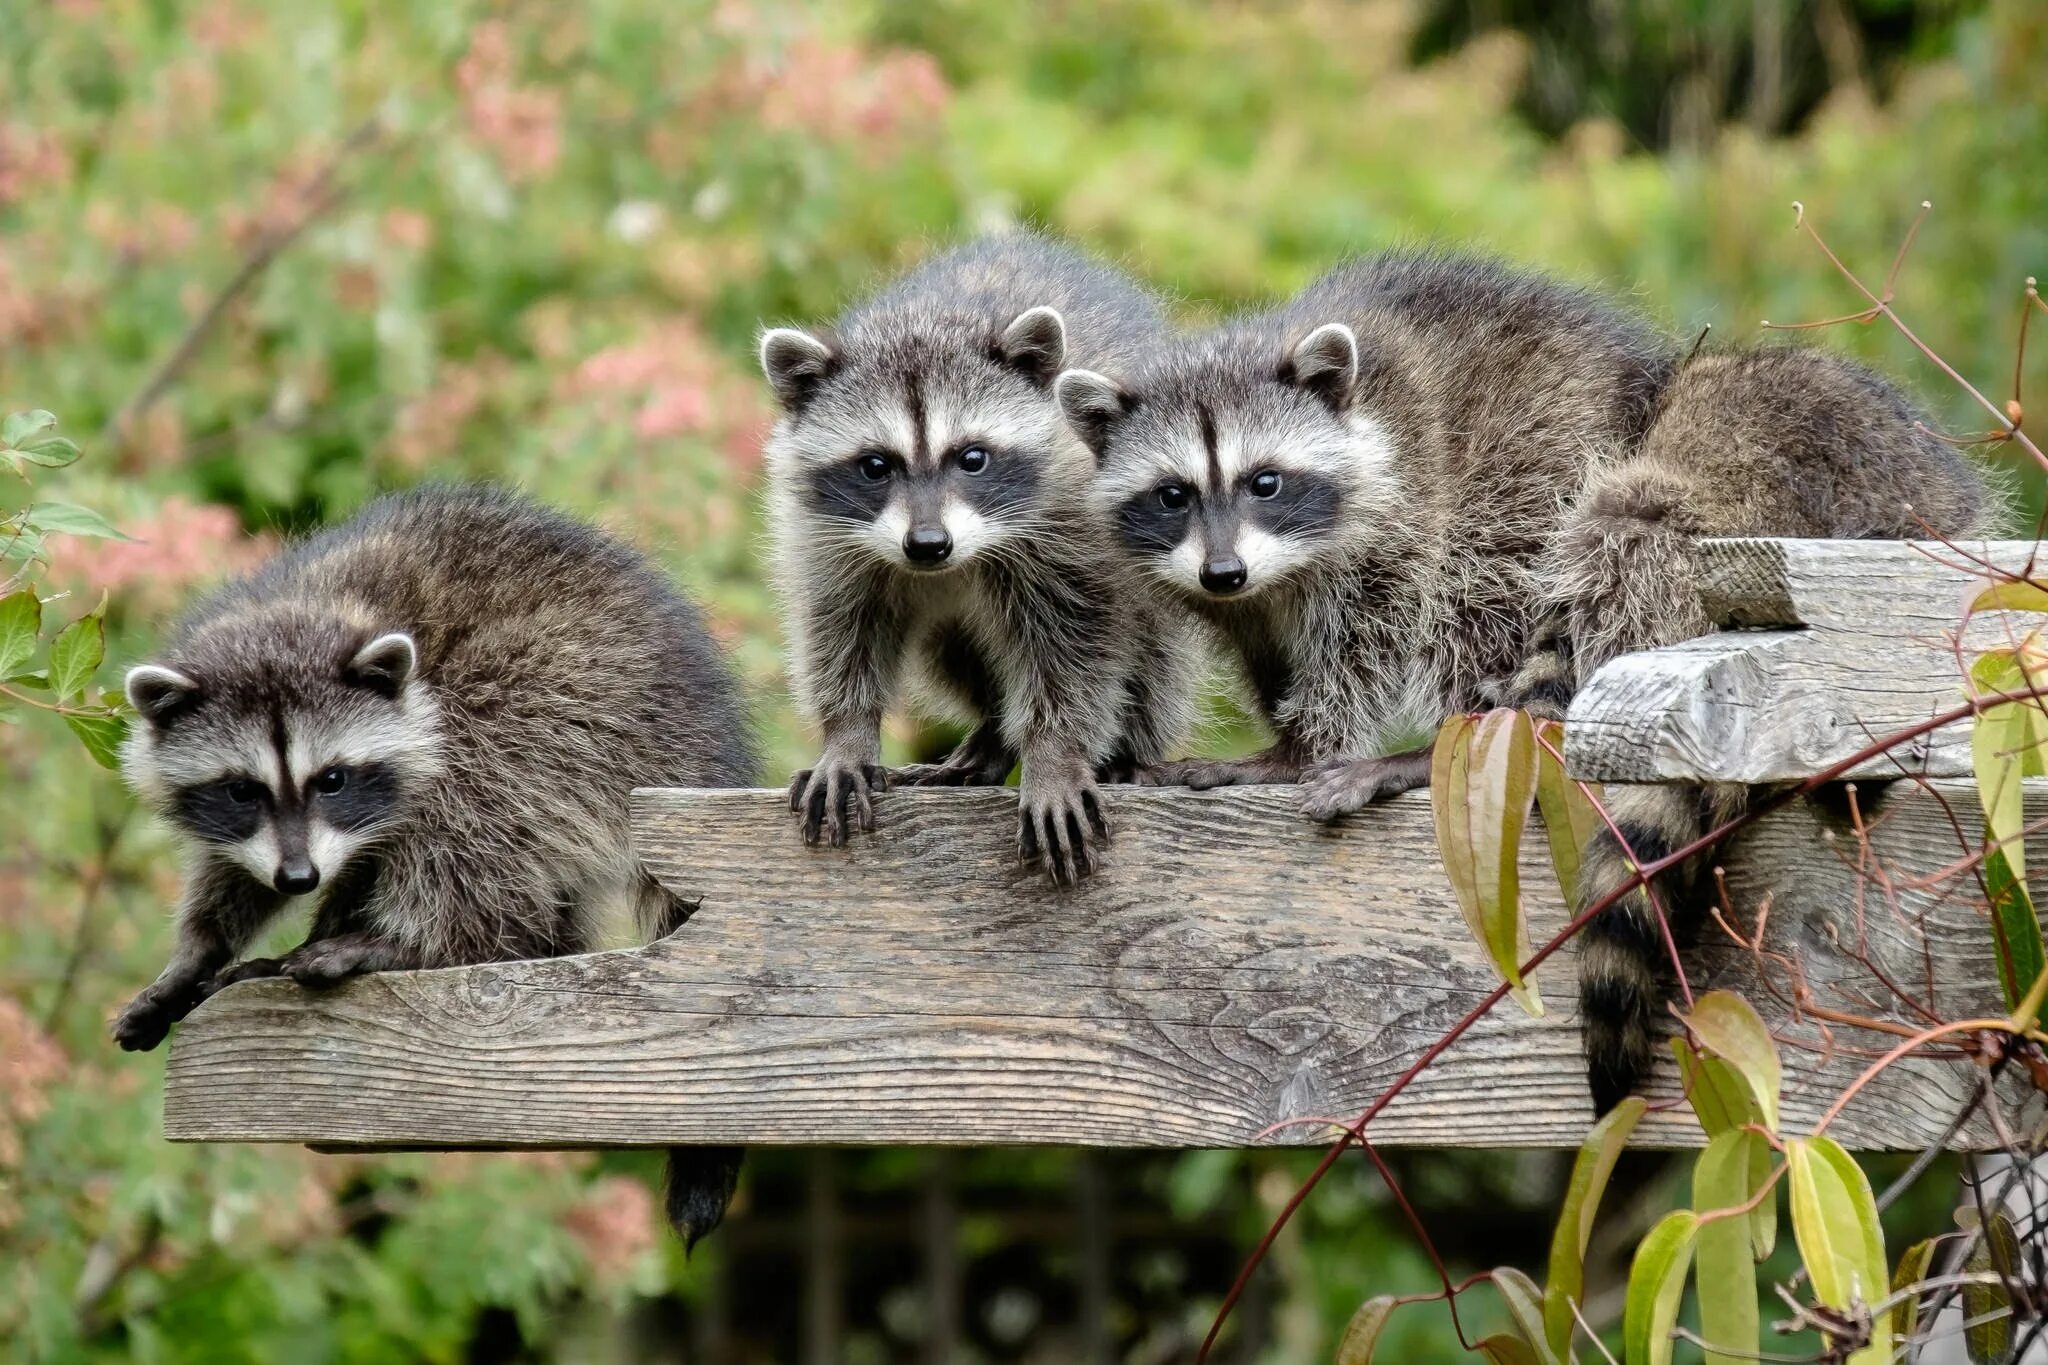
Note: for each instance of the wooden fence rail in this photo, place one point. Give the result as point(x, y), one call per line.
point(1231, 968)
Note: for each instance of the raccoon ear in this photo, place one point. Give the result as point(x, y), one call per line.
point(1092, 404)
point(158, 693)
point(796, 363)
point(384, 665)
point(1325, 363)
point(1035, 344)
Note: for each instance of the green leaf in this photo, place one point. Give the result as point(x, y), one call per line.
point(21, 626)
point(2006, 744)
point(1525, 1308)
point(2014, 595)
point(1481, 811)
point(71, 520)
point(2015, 928)
point(1363, 1332)
point(1912, 1270)
point(1502, 1349)
point(1731, 1029)
point(1723, 1179)
point(35, 679)
point(19, 545)
point(1834, 1221)
point(1722, 1101)
point(51, 452)
point(1569, 819)
point(101, 732)
point(1989, 1341)
point(20, 426)
point(76, 653)
point(1656, 1285)
point(1567, 1278)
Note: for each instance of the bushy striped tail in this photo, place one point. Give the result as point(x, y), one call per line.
point(698, 1185)
point(1623, 961)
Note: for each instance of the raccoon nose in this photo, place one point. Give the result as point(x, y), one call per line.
point(1224, 575)
point(296, 879)
point(927, 544)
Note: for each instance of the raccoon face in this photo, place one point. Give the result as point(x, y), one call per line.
point(287, 747)
point(925, 452)
point(1225, 485)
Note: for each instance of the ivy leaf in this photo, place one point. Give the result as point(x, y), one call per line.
point(1569, 819)
point(21, 625)
point(76, 653)
point(1912, 1270)
point(71, 520)
point(1362, 1334)
point(1834, 1221)
point(1722, 1179)
point(1656, 1284)
point(1481, 811)
point(101, 732)
point(20, 426)
point(1566, 1283)
point(1732, 1030)
point(1989, 1306)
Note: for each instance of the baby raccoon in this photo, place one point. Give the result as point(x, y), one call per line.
point(930, 515)
point(1433, 484)
point(426, 722)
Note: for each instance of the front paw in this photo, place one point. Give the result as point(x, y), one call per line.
point(952, 773)
point(833, 795)
point(327, 961)
point(1062, 828)
point(1335, 790)
point(147, 1020)
point(252, 969)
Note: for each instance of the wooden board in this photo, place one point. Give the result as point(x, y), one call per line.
point(1231, 968)
point(1860, 643)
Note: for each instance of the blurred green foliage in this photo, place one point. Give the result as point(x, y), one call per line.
point(282, 255)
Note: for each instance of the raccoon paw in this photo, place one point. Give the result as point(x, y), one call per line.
point(957, 771)
point(1061, 827)
point(147, 1020)
point(327, 961)
point(1201, 774)
point(1338, 789)
point(821, 797)
point(253, 969)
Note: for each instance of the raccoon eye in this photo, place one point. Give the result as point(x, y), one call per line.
point(1172, 496)
point(244, 792)
point(873, 467)
point(331, 781)
point(973, 459)
point(1265, 483)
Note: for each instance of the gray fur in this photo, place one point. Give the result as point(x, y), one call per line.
point(1021, 628)
point(1509, 476)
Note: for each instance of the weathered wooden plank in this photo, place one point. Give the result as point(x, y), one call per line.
point(1232, 967)
point(1866, 647)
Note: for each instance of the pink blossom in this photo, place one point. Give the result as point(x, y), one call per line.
point(30, 160)
point(615, 1222)
point(521, 124)
point(180, 545)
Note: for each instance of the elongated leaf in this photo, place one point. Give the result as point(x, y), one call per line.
point(1569, 820)
point(21, 625)
point(101, 733)
point(1656, 1284)
point(1912, 1270)
point(1502, 1349)
point(1525, 1308)
point(2010, 596)
point(1447, 803)
point(71, 520)
point(75, 655)
point(1834, 1221)
point(1484, 808)
point(1362, 1334)
point(1726, 1275)
point(2015, 928)
point(19, 426)
point(1988, 1307)
point(1566, 1282)
point(1722, 1101)
point(2005, 746)
point(1732, 1030)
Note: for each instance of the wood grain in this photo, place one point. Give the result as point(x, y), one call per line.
point(1231, 968)
point(1862, 645)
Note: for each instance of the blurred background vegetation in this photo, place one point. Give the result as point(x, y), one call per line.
point(268, 257)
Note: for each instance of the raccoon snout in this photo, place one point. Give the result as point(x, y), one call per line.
point(927, 545)
point(1224, 576)
point(296, 878)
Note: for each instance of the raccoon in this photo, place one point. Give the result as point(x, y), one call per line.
point(1432, 483)
point(930, 519)
point(426, 723)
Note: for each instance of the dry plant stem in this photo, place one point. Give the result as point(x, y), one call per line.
point(1449, 1038)
point(1591, 1335)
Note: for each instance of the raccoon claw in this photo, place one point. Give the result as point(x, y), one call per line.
point(253, 969)
point(1056, 832)
point(1335, 790)
point(1202, 774)
point(146, 1022)
point(822, 795)
point(328, 961)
